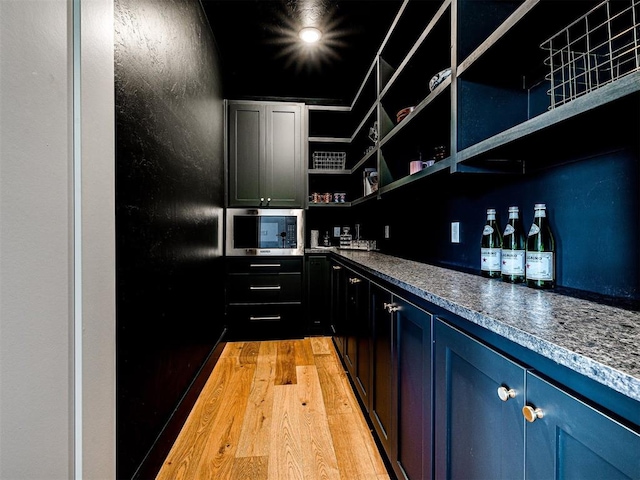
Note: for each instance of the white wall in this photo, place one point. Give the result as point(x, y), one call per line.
point(39, 285)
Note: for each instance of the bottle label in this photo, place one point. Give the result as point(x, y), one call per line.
point(535, 229)
point(488, 230)
point(540, 266)
point(513, 262)
point(508, 230)
point(490, 259)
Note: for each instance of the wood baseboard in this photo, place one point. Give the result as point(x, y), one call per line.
point(150, 465)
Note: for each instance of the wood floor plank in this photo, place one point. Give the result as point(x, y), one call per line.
point(334, 383)
point(188, 448)
point(232, 350)
point(250, 468)
point(256, 427)
point(321, 345)
point(286, 451)
point(285, 363)
point(249, 353)
point(219, 452)
point(318, 455)
point(355, 450)
point(304, 352)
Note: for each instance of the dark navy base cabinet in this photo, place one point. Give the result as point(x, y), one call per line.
point(481, 431)
point(573, 440)
point(414, 439)
point(477, 435)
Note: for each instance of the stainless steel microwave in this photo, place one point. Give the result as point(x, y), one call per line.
point(264, 231)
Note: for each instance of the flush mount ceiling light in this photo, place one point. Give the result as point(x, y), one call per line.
point(310, 34)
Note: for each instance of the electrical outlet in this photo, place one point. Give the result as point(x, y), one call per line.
point(386, 231)
point(455, 232)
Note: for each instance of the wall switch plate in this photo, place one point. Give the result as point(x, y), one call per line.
point(455, 232)
point(386, 231)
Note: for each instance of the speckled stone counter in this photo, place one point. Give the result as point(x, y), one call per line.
point(599, 341)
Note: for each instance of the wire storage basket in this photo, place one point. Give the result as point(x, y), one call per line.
point(329, 160)
point(596, 49)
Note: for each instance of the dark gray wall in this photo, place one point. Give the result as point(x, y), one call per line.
point(169, 200)
point(593, 205)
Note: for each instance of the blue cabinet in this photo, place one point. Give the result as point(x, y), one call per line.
point(497, 419)
point(384, 374)
point(358, 340)
point(338, 306)
point(479, 396)
point(574, 440)
point(401, 403)
point(413, 458)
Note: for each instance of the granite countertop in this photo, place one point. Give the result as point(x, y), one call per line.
point(599, 341)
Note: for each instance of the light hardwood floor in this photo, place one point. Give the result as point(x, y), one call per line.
point(276, 410)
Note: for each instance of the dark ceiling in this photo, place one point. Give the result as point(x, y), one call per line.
point(262, 56)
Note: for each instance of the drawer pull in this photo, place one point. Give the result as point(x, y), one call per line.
point(264, 265)
point(267, 318)
point(506, 393)
point(266, 287)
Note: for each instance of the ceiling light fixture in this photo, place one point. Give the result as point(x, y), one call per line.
point(310, 34)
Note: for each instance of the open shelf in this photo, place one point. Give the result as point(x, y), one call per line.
point(492, 114)
point(502, 83)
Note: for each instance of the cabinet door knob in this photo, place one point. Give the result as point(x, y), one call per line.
point(268, 200)
point(505, 394)
point(390, 307)
point(531, 414)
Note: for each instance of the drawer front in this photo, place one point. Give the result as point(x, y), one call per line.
point(285, 287)
point(262, 265)
point(262, 322)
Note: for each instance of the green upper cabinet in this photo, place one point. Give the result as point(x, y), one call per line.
point(266, 148)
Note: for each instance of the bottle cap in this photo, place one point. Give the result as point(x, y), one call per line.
point(491, 210)
point(513, 209)
point(540, 206)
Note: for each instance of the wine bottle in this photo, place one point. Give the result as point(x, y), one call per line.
point(513, 249)
point(540, 270)
point(490, 247)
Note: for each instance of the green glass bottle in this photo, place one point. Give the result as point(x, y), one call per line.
point(541, 250)
point(513, 249)
point(490, 247)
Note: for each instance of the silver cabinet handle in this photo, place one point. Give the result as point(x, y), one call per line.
point(354, 280)
point(506, 393)
point(390, 307)
point(266, 287)
point(269, 317)
point(264, 265)
point(336, 267)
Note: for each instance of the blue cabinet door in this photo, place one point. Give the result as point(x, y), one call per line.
point(359, 341)
point(478, 435)
point(414, 404)
point(383, 389)
point(338, 306)
point(573, 440)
